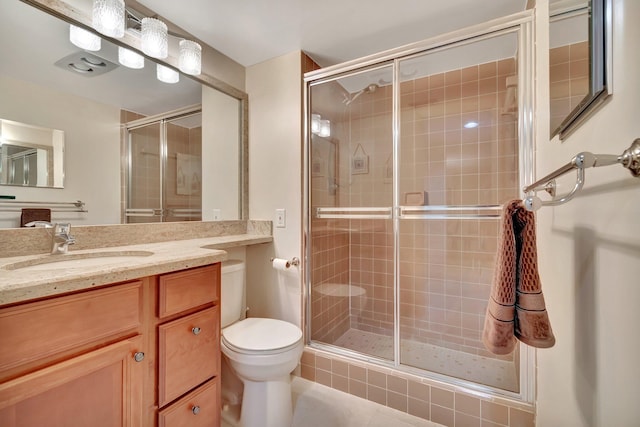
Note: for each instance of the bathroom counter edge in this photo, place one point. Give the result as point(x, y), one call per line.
point(19, 285)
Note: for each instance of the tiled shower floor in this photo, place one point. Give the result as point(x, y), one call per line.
point(471, 367)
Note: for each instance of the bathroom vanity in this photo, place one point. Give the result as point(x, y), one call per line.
point(131, 343)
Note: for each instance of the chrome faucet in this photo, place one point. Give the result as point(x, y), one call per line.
point(61, 237)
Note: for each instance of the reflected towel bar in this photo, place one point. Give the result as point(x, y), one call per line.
point(630, 159)
point(18, 205)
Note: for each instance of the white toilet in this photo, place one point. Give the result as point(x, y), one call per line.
point(261, 352)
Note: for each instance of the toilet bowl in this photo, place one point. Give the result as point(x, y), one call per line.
point(261, 352)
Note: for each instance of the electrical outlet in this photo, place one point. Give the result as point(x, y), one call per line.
point(281, 218)
point(216, 214)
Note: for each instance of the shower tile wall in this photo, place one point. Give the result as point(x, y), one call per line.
point(430, 400)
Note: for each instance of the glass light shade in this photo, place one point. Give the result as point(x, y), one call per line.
point(84, 39)
point(129, 58)
point(155, 38)
point(167, 75)
point(108, 17)
point(190, 59)
point(315, 123)
point(325, 128)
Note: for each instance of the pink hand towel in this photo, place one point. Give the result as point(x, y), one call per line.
point(532, 321)
point(516, 308)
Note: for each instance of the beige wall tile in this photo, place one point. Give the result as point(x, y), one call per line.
point(519, 418)
point(494, 412)
point(442, 415)
point(467, 404)
point(442, 398)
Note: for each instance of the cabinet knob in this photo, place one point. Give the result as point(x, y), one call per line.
point(195, 330)
point(195, 410)
point(138, 356)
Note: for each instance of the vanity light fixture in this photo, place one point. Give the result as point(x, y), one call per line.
point(155, 38)
point(84, 39)
point(325, 128)
point(130, 59)
point(108, 17)
point(167, 75)
point(190, 59)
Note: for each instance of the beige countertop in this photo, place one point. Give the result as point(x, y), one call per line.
point(132, 262)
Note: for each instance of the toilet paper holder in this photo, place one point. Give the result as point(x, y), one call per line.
point(295, 261)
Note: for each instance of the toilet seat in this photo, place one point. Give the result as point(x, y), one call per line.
point(261, 336)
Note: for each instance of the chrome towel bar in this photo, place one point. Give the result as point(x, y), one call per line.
point(630, 159)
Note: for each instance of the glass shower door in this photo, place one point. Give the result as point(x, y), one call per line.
point(183, 171)
point(164, 174)
point(351, 229)
point(458, 161)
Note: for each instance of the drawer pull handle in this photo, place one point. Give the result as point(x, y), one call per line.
point(195, 410)
point(195, 330)
point(138, 356)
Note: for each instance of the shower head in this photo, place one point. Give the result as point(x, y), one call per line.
point(369, 89)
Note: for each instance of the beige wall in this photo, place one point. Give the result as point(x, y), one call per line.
point(589, 253)
point(92, 151)
point(275, 160)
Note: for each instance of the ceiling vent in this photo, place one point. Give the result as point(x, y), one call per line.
point(86, 64)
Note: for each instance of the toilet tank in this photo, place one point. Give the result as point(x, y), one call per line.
point(232, 291)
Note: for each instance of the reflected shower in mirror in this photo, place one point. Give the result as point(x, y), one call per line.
point(92, 109)
point(579, 58)
point(31, 155)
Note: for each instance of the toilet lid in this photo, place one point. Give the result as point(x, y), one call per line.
point(258, 334)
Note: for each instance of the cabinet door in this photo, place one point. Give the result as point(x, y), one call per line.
point(102, 388)
point(189, 353)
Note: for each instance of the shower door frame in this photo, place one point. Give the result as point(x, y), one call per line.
point(520, 24)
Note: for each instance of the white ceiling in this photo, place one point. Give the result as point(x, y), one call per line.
point(330, 31)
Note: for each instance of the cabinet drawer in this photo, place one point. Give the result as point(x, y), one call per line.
point(189, 353)
point(200, 408)
point(188, 289)
point(40, 330)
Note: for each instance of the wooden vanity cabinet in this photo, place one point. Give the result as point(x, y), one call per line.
point(134, 354)
point(74, 360)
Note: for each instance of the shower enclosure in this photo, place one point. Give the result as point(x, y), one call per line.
point(164, 167)
point(409, 155)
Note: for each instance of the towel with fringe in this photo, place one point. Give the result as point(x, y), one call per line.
point(516, 308)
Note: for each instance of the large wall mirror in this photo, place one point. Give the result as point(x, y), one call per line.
point(579, 60)
point(46, 83)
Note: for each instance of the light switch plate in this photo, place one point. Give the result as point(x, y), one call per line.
point(281, 218)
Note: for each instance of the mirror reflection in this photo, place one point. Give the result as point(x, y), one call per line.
point(568, 63)
point(94, 110)
point(580, 61)
point(31, 155)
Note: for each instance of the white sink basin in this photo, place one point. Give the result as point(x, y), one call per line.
point(72, 261)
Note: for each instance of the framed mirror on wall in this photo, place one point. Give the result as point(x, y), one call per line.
point(579, 61)
point(47, 81)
